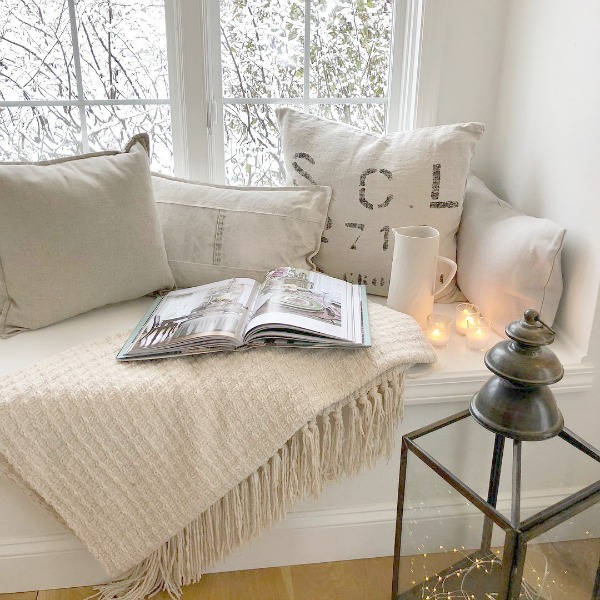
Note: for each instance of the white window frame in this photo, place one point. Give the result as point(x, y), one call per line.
point(194, 88)
point(194, 49)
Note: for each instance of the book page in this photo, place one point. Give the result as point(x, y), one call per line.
point(216, 312)
point(305, 301)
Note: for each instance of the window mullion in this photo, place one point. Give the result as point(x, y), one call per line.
point(191, 55)
point(216, 86)
point(307, 9)
point(78, 77)
point(404, 65)
point(306, 101)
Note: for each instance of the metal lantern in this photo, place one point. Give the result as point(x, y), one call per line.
point(515, 403)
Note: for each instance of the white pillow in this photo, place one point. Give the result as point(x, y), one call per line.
point(214, 232)
point(507, 261)
point(75, 234)
point(409, 178)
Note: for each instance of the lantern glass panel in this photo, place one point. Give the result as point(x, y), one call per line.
point(552, 470)
point(465, 449)
point(441, 529)
point(562, 563)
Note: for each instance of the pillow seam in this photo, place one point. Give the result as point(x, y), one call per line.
point(218, 239)
point(285, 188)
point(203, 264)
point(7, 303)
point(249, 212)
point(551, 271)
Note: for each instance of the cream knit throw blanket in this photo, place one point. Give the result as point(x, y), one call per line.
point(163, 467)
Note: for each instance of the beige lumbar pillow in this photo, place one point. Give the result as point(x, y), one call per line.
point(507, 261)
point(214, 232)
point(379, 182)
point(75, 234)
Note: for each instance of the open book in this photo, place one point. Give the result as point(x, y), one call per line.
point(292, 307)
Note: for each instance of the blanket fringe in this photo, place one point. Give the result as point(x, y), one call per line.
point(339, 441)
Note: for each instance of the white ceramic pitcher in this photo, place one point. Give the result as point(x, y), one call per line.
point(414, 268)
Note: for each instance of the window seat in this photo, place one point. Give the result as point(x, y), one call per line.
point(38, 552)
point(457, 375)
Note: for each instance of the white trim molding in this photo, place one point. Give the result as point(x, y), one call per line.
point(416, 61)
point(308, 536)
point(405, 56)
point(450, 388)
point(430, 69)
point(46, 562)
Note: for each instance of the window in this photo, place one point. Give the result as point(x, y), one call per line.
point(202, 77)
point(323, 56)
point(82, 75)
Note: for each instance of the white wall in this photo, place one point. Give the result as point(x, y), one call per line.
point(545, 141)
point(470, 63)
point(529, 71)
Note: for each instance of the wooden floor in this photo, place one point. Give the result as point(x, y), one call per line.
point(571, 567)
point(351, 580)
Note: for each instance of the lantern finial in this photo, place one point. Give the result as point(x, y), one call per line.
point(517, 402)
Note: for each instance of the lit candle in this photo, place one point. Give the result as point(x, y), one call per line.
point(465, 314)
point(478, 333)
point(438, 329)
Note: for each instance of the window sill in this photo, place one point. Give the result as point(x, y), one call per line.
point(455, 377)
point(459, 372)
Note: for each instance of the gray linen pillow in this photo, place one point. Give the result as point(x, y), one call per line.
point(214, 232)
point(507, 261)
point(75, 234)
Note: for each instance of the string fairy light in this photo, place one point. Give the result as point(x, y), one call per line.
point(439, 589)
point(537, 584)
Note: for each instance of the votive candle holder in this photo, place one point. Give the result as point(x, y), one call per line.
point(465, 313)
point(438, 329)
point(479, 331)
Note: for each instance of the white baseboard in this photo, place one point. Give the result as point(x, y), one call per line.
point(368, 531)
point(47, 562)
point(310, 536)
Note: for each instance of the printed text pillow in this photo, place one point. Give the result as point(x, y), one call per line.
point(379, 182)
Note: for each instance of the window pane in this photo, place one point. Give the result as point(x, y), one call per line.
point(123, 49)
point(33, 133)
point(262, 44)
point(252, 153)
point(262, 48)
point(362, 28)
point(36, 55)
point(111, 127)
point(368, 117)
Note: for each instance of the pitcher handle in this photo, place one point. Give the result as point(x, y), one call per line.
point(453, 268)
